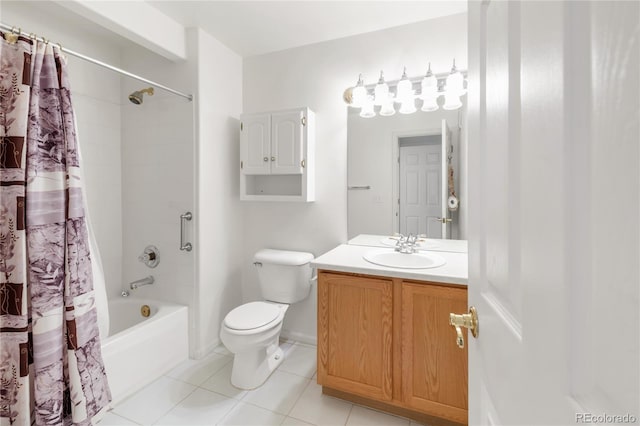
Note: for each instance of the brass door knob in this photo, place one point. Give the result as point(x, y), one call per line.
point(469, 321)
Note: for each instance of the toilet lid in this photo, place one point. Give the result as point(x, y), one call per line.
point(251, 315)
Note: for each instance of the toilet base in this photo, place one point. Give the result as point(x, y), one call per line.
point(252, 369)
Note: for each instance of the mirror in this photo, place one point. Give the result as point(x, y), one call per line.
point(401, 172)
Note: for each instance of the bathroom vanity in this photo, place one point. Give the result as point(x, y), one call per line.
point(384, 338)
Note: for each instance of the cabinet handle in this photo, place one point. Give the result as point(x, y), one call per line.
point(273, 158)
point(265, 159)
point(303, 163)
point(469, 321)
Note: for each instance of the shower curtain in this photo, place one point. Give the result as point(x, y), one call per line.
point(51, 369)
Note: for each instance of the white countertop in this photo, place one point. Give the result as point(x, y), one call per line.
point(348, 258)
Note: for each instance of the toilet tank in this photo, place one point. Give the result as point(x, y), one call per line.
point(285, 276)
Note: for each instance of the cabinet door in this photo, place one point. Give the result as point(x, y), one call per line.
point(255, 145)
point(434, 368)
point(286, 143)
point(355, 334)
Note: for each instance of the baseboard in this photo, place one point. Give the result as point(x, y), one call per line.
point(299, 337)
point(200, 353)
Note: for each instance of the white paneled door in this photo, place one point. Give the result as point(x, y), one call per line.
point(420, 190)
point(554, 189)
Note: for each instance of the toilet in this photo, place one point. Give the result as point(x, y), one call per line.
point(252, 331)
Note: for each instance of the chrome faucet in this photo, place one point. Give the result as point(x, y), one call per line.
point(407, 244)
point(144, 281)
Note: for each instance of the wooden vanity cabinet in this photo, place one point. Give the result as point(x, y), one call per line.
point(434, 368)
point(355, 327)
point(387, 343)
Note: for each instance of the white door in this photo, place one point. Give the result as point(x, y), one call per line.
point(255, 145)
point(554, 210)
point(286, 143)
point(445, 146)
point(420, 190)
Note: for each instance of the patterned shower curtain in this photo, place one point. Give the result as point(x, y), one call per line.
point(51, 369)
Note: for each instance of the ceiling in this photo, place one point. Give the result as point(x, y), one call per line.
point(256, 27)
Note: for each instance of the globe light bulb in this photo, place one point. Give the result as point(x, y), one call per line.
point(405, 88)
point(381, 91)
point(359, 94)
point(367, 108)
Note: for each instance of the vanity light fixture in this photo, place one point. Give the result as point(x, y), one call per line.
point(387, 109)
point(454, 89)
point(405, 88)
point(406, 95)
point(381, 91)
point(451, 86)
point(367, 108)
point(429, 92)
point(359, 94)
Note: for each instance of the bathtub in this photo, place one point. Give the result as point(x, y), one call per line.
point(138, 350)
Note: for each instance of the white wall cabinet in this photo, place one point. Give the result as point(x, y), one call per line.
point(276, 155)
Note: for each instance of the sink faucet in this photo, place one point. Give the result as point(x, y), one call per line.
point(407, 244)
point(144, 281)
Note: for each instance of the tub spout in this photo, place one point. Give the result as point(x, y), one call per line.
point(144, 281)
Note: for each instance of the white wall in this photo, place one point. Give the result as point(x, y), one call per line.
point(316, 76)
point(219, 214)
point(96, 101)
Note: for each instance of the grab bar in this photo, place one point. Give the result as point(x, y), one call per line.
point(183, 220)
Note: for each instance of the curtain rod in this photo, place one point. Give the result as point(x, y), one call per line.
point(97, 62)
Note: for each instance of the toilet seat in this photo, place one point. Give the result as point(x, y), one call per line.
point(251, 316)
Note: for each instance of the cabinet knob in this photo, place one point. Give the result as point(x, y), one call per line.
point(265, 159)
point(469, 321)
point(273, 158)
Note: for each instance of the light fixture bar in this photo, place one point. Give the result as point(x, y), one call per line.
point(427, 88)
point(441, 77)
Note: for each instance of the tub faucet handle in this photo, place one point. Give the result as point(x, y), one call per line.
point(150, 256)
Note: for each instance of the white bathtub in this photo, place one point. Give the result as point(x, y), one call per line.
point(138, 349)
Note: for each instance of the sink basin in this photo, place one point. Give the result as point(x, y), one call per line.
point(394, 259)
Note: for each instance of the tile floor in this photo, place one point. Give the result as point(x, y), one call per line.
point(199, 392)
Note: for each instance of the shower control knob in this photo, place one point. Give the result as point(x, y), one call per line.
point(150, 257)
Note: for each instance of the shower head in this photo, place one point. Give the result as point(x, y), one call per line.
point(136, 97)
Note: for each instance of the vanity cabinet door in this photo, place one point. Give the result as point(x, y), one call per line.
point(255, 144)
point(434, 368)
point(355, 334)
